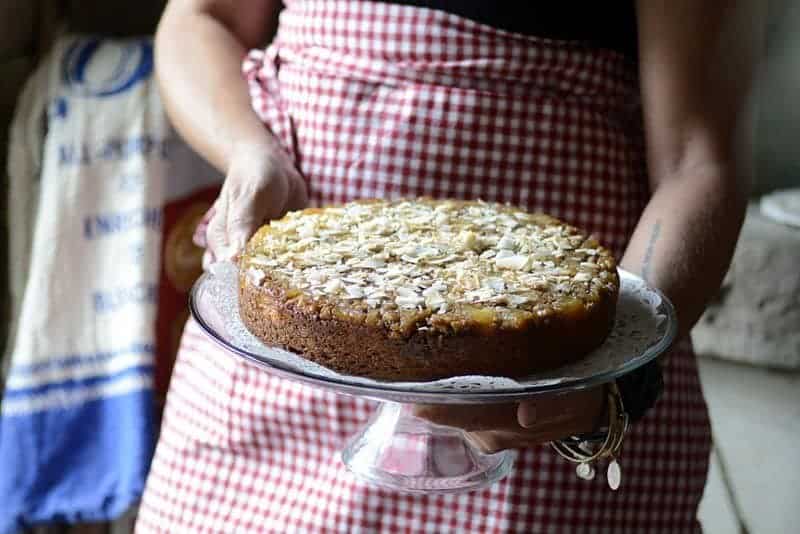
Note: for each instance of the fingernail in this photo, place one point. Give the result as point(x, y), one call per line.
point(199, 237)
point(526, 414)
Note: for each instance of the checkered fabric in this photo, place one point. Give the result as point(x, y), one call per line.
point(383, 100)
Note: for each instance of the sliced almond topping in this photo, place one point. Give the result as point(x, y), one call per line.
point(515, 262)
point(333, 286)
point(406, 292)
point(444, 259)
point(434, 254)
point(354, 292)
point(409, 302)
point(517, 300)
point(467, 240)
point(263, 260)
point(255, 276)
point(507, 242)
point(495, 284)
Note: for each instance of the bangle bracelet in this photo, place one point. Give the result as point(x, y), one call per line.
point(579, 450)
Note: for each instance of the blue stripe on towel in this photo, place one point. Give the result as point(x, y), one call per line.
point(77, 384)
point(75, 359)
point(105, 443)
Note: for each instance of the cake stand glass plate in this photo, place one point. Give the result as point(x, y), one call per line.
point(398, 450)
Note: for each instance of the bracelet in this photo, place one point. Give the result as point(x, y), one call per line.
point(579, 450)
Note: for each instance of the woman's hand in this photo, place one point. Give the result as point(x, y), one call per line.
point(198, 56)
point(262, 184)
point(495, 427)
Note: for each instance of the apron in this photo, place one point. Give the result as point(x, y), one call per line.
point(385, 100)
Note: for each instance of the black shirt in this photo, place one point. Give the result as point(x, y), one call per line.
point(609, 24)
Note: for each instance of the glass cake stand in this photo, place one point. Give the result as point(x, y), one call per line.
point(398, 450)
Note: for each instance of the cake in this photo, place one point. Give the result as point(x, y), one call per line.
point(425, 289)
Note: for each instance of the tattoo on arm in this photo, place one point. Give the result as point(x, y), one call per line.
point(648, 254)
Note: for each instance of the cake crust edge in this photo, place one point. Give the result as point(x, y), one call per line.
point(356, 348)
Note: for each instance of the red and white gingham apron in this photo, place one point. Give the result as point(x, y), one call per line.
point(382, 100)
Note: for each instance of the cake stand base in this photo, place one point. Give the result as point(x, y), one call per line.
point(400, 451)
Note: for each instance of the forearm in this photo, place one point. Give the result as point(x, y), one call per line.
point(198, 64)
point(686, 236)
point(696, 64)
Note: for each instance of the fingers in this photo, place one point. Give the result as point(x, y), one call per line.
point(217, 231)
point(490, 427)
point(492, 441)
point(470, 417)
point(255, 191)
point(237, 215)
point(526, 414)
point(584, 408)
point(251, 203)
point(544, 409)
point(199, 237)
point(545, 418)
point(298, 193)
point(556, 427)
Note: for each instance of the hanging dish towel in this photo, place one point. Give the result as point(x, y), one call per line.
point(102, 209)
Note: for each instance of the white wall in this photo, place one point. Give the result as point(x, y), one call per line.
point(777, 139)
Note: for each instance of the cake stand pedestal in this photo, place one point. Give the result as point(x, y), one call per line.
point(397, 449)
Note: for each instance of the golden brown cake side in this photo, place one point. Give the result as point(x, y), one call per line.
point(367, 350)
point(483, 316)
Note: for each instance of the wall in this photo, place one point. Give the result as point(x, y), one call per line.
point(19, 22)
point(778, 125)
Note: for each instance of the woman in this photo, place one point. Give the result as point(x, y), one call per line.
point(449, 99)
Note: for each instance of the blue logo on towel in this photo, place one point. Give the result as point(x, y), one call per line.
point(134, 63)
point(59, 109)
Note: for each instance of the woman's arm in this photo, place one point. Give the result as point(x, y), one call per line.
point(200, 46)
point(693, 103)
point(693, 94)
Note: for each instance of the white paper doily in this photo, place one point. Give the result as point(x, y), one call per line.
point(644, 327)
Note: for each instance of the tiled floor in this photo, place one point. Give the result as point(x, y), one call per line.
point(754, 483)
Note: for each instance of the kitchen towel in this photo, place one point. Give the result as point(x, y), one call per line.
point(103, 201)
